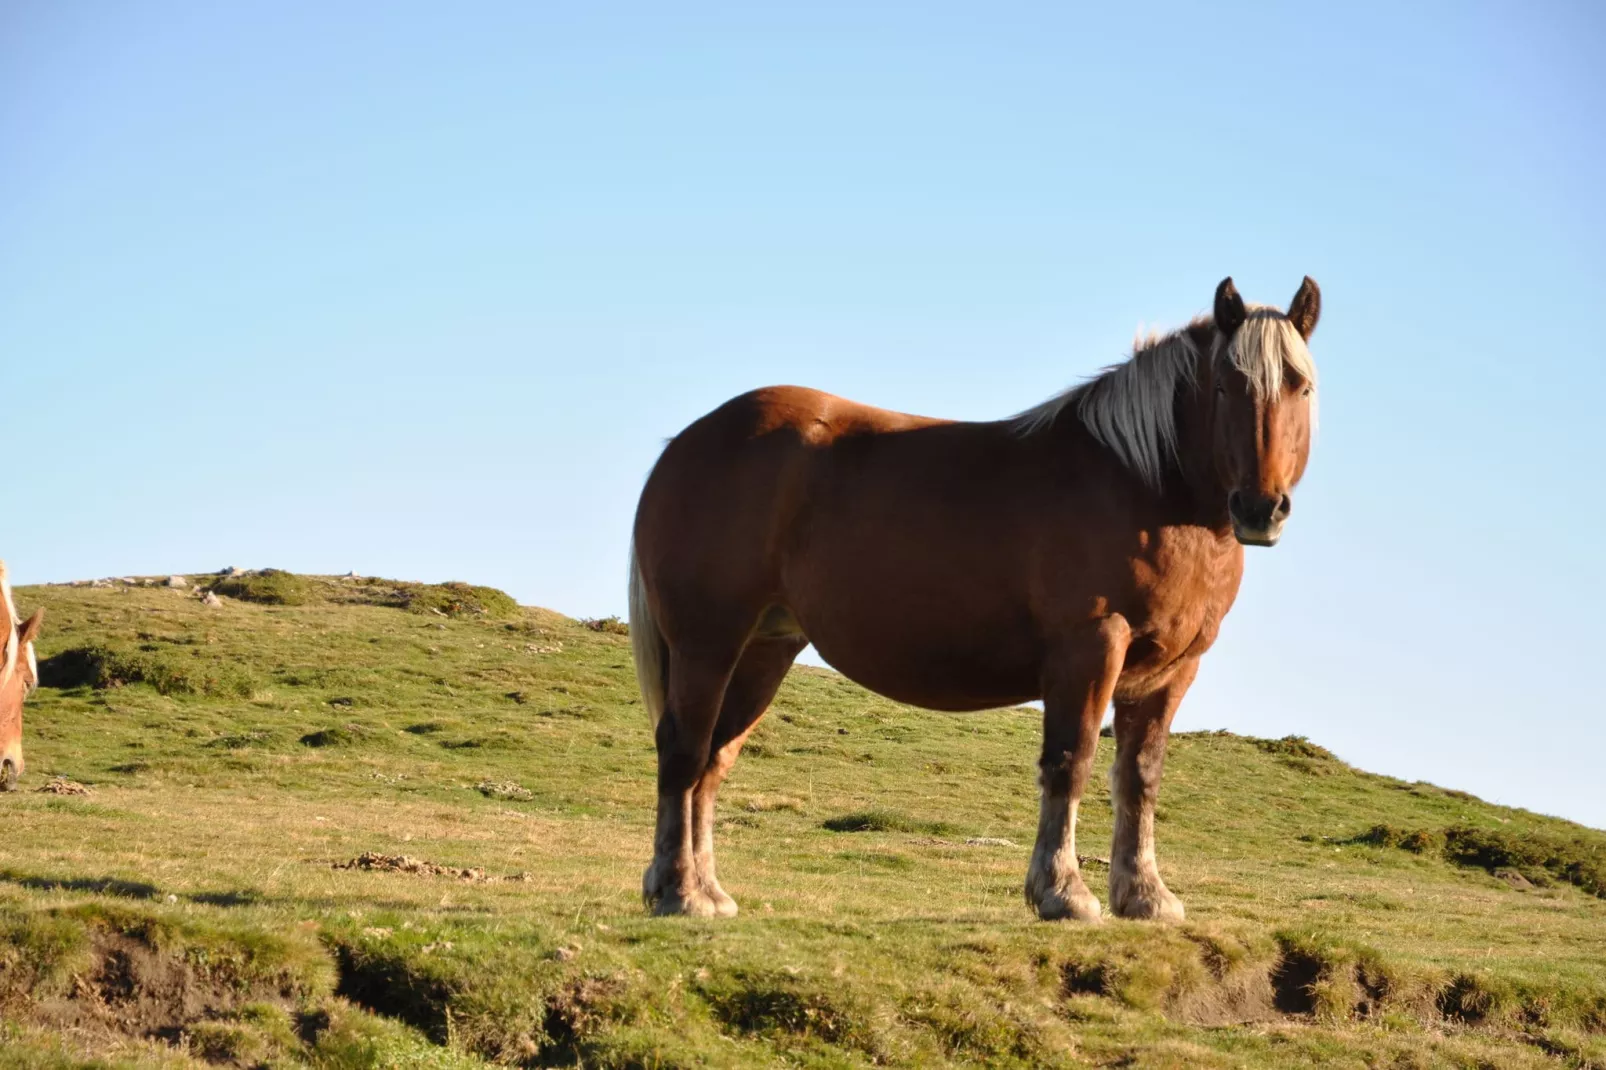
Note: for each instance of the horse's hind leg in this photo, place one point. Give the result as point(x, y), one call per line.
point(758, 676)
point(695, 693)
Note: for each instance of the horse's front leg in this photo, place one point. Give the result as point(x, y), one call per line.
point(1077, 689)
point(1141, 731)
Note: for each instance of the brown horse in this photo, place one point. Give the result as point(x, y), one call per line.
point(1082, 552)
point(19, 675)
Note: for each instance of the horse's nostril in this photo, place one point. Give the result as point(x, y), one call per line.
point(1285, 505)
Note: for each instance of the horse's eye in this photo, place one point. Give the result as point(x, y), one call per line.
point(1305, 393)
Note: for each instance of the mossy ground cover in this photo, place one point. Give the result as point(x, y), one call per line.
point(189, 911)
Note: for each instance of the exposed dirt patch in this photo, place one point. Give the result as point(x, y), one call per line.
point(129, 988)
point(575, 1012)
point(553, 1028)
point(1089, 979)
point(374, 862)
point(1293, 981)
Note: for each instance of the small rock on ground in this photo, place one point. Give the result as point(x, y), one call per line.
point(210, 599)
point(1513, 878)
point(177, 581)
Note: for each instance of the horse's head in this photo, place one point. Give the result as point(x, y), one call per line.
point(1261, 391)
point(19, 674)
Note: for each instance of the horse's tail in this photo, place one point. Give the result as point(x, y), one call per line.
point(646, 642)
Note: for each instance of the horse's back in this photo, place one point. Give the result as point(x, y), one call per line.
point(727, 489)
point(758, 448)
point(817, 418)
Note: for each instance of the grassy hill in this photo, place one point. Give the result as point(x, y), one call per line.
point(355, 823)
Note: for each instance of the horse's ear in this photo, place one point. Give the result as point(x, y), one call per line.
point(1230, 312)
point(1306, 308)
point(30, 627)
point(6, 621)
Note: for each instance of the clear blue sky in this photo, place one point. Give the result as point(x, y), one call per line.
point(419, 290)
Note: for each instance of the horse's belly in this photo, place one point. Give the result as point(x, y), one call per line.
point(925, 667)
point(937, 688)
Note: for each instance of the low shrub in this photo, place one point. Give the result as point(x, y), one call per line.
point(1419, 841)
point(101, 666)
point(270, 586)
point(1579, 861)
point(459, 600)
point(1296, 747)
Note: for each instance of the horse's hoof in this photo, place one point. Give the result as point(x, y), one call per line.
point(690, 904)
point(1056, 898)
point(1057, 902)
point(1147, 903)
point(666, 894)
point(724, 905)
point(1059, 907)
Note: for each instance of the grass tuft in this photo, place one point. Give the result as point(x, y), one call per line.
point(337, 736)
point(777, 1004)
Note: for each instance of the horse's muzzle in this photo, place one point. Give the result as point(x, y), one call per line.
point(1257, 519)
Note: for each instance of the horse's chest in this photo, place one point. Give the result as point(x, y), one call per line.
point(1182, 590)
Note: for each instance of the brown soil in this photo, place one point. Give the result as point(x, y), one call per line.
point(132, 989)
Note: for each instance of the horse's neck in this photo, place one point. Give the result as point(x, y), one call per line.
point(1197, 485)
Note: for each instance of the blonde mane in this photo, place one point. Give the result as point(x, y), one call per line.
point(14, 647)
point(1131, 407)
point(9, 607)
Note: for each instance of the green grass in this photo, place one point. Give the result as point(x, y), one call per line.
point(188, 912)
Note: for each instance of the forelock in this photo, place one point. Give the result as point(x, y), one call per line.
point(1265, 347)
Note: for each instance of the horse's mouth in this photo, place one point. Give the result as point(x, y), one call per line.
point(1252, 537)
